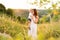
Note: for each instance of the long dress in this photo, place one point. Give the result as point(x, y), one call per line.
point(33, 27)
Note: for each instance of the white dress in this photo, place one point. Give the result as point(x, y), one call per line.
point(33, 27)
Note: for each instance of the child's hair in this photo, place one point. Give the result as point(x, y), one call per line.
point(29, 19)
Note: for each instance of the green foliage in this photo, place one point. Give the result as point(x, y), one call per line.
point(19, 37)
point(19, 18)
point(42, 1)
point(2, 8)
point(54, 6)
point(49, 31)
point(41, 36)
point(9, 12)
point(51, 38)
point(49, 10)
point(45, 19)
point(23, 20)
point(56, 18)
point(10, 27)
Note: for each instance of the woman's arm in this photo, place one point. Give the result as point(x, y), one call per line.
point(36, 19)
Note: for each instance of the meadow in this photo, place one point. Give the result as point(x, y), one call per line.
point(15, 27)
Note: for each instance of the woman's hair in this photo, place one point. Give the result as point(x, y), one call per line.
point(35, 12)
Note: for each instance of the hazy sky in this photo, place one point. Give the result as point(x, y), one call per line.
point(22, 4)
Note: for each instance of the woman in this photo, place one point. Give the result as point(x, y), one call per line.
point(33, 19)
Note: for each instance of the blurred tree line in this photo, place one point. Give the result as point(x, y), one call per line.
point(9, 12)
point(44, 15)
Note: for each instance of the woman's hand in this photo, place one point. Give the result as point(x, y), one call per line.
point(36, 19)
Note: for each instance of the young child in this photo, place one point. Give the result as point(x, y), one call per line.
point(29, 17)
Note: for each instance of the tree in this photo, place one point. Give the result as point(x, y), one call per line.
point(40, 2)
point(44, 2)
point(9, 12)
point(2, 8)
point(19, 18)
